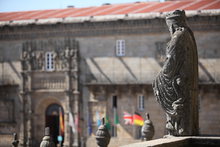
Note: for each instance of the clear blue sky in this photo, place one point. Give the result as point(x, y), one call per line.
point(24, 5)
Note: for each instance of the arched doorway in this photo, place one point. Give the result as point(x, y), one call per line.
point(55, 120)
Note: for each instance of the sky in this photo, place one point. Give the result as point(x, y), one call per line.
point(25, 5)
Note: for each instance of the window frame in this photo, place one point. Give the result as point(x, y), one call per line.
point(114, 101)
point(120, 48)
point(49, 61)
point(140, 102)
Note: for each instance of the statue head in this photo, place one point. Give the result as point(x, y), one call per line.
point(176, 19)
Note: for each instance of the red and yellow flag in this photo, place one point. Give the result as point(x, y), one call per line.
point(137, 119)
point(61, 122)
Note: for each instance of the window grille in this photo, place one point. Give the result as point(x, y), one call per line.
point(120, 48)
point(49, 61)
point(141, 102)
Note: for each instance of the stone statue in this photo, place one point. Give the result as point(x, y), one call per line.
point(102, 135)
point(47, 142)
point(25, 59)
point(176, 84)
point(147, 130)
point(65, 58)
point(15, 141)
point(39, 57)
point(33, 60)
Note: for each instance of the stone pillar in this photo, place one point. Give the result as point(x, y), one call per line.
point(67, 110)
point(29, 110)
point(72, 139)
point(26, 94)
point(74, 79)
point(29, 120)
point(23, 135)
point(76, 116)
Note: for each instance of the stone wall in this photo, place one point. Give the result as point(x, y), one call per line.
point(11, 113)
point(209, 113)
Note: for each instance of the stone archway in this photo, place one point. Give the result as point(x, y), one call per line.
point(54, 119)
point(41, 106)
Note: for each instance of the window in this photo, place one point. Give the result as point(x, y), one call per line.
point(120, 48)
point(114, 101)
point(49, 61)
point(141, 102)
point(7, 110)
point(115, 115)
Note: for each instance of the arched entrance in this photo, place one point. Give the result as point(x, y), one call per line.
point(55, 120)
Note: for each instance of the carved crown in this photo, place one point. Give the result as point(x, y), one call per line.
point(176, 13)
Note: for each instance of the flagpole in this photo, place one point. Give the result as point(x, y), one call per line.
point(60, 113)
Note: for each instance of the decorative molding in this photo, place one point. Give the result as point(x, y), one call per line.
point(84, 29)
point(33, 55)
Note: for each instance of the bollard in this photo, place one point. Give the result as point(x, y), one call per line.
point(46, 142)
point(15, 141)
point(102, 135)
point(147, 130)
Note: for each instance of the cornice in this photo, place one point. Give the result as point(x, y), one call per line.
point(105, 28)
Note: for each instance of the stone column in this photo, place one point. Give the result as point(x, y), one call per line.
point(23, 133)
point(67, 110)
point(76, 93)
point(76, 116)
point(26, 94)
point(29, 117)
point(27, 109)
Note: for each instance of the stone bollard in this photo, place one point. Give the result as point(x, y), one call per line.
point(46, 142)
point(15, 141)
point(147, 130)
point(102, 135)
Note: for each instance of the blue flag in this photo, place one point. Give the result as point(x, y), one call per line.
point(98, 119)
point(89, 125)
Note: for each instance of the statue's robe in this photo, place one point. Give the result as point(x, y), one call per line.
point(175, 86)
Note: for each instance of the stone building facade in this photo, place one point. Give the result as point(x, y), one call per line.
point(76, 66)
point(47, 79)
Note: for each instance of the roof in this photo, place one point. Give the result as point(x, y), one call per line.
point(111, 10)
point(140, 70)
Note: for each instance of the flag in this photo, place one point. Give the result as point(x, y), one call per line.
point(71, 122)
point(76, 118)
point(61, 122)
point(89, 125)
point(128, 118)
point(116, 120)
point(98, 119)
point(107, 122)
point(137, 119)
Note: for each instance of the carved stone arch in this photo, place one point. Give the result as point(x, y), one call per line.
point(42, 105)
point(39, 119)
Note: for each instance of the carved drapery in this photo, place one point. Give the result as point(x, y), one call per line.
point(176, 85)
